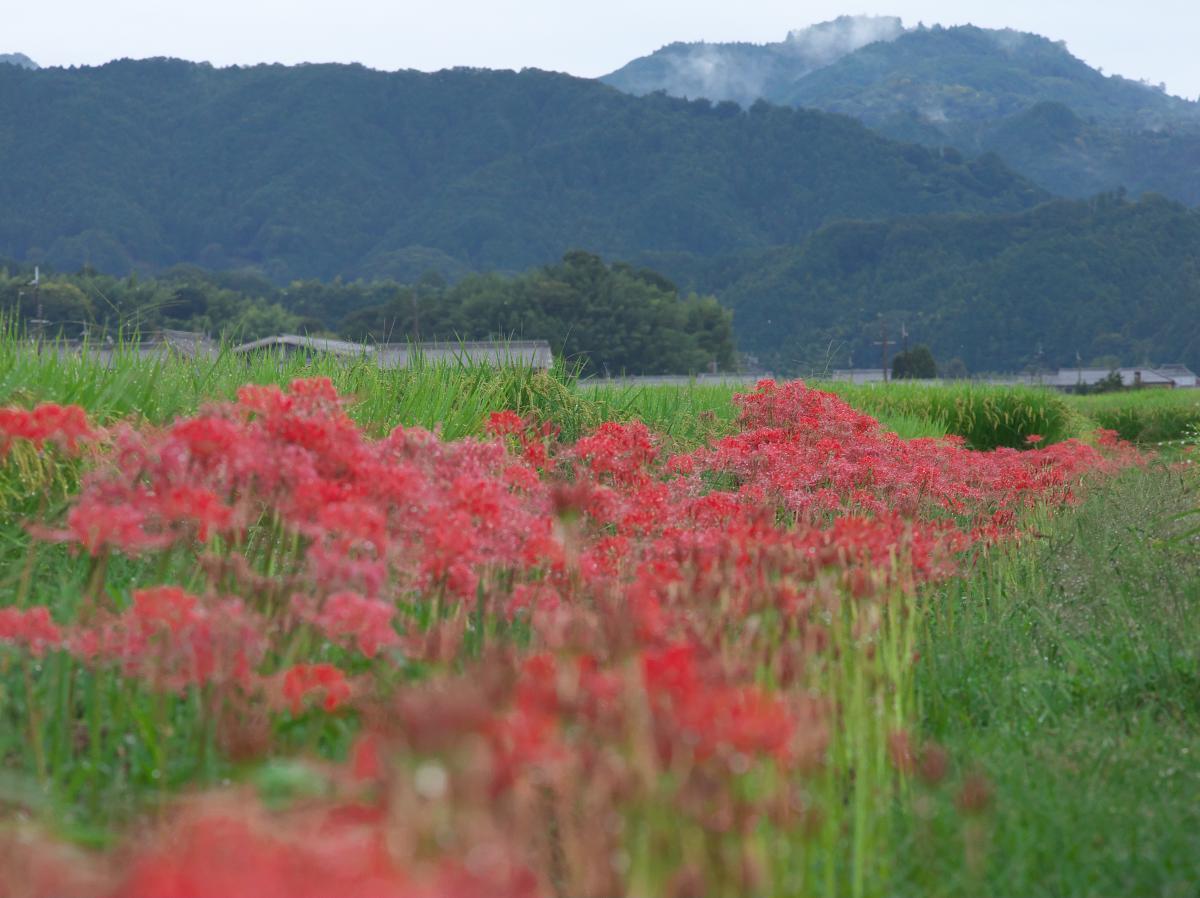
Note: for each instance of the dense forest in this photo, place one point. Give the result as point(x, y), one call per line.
point(1102, 281)
point(1046, 113)
point(605, 318)
point(326, 170)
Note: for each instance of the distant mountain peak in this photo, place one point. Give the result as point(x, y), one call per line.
point(1047, 113)
point(18, 59)
point(827, 41)
point(744, 72)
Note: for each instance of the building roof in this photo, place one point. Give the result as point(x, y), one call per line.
point(316, 344)
point(1175, 370)
point(535, 353)
point(1147, 376)
point(858, 375)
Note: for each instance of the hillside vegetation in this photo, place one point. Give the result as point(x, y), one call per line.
point(1047, 113)
point(320, 170)
point(1103, 281)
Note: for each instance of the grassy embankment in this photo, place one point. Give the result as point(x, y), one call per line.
point(1068, 670)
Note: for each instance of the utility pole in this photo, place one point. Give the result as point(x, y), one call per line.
point(904, 338)
point(883, 345)
point(36, 284)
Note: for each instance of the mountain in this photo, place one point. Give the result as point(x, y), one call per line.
point(1105, 280)
point(742, 72)
point(976, 89)
point(325, 170)
point(18, 59)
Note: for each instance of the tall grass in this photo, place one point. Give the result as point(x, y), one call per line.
point(1144, 416)
point(698, 412)
point(986, 417)
point(455, 395)
point(688, 414)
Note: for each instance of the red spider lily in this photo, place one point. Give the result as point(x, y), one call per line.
point(174, 639)
point(98, 526)
point(505, 423)
point(65, 425)
point(31, 628)
point(302, 680)
point(348, 617)
point(618, 452)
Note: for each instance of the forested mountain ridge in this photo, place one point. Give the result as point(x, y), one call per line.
point(18, 59)
point(1048, 114)
point(1102, 281)
point(320, 170)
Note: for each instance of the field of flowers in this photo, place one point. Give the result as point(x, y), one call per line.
point(263, 648)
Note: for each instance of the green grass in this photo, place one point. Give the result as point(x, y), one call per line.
point(686, 415)
point(1068, 669)
point(986, 417)
point(456, 396)
point(695, 413)
point(1144, 416)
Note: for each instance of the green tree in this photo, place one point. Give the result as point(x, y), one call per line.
point(955, 369)
point(917, 363)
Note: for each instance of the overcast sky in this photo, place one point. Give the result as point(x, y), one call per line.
point(1155, 40)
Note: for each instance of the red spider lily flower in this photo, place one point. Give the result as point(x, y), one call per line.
point(350, 618)
point(199, 506)
point(31, 628)
point(98, 525)
point(173, 639)
point(618, 451)
point(1034, 438)
point(65, 425)
point(302, 680)
point(505, 423)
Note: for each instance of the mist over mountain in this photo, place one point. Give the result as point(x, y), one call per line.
point(744, 72)
point(325, 170)
point(1048, 114)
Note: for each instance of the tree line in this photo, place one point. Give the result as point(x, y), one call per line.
point(608, 318)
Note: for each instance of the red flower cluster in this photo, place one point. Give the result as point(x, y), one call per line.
point(303, 680)
point(173, 640)
point(603, 636)
point(32, 628)
point(65, 425)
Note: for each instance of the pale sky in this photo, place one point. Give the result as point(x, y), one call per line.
point(1154, 40)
